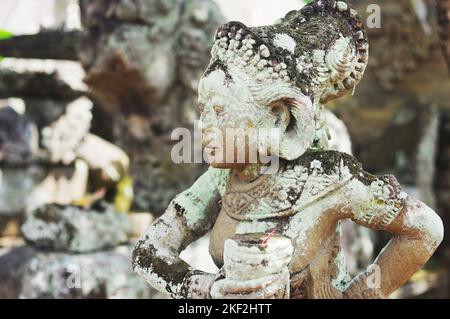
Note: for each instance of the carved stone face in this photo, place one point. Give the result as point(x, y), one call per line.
point(266, 78)
point(275, 112)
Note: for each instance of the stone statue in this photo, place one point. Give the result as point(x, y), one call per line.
point(278, 77)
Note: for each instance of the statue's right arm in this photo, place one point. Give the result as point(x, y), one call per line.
point(190, 215)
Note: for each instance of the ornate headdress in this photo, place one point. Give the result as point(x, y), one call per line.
point(322, 49)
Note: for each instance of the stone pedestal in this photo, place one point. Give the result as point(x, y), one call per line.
point(72, 252)
point(27, 272)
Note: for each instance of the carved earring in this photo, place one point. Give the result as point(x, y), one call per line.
point(280, 110)
point(300, 132)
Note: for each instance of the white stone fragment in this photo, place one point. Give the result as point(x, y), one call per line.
point(264, 51)
point(342, 6)
point(285, 41)
point(261, 64)
point(316, 164)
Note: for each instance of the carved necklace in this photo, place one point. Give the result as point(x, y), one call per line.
point(240, 195)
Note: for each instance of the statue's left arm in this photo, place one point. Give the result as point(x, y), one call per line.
point(190, 215)
point(378, 203)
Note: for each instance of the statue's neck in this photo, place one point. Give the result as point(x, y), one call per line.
point(252, 172)
point(249, 173)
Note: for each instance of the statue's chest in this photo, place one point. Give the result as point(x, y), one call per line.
point(291, 202)
point(277, 195)
point(268, 196)
point(307, 229)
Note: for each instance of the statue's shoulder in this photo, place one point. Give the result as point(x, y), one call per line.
point(379, 198)
point(326, 163)
point(298, 184)
point(338, 166)
point(317, 174)
point(219, 178)
point(324, 167)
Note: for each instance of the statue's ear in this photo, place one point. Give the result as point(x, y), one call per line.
point(300, 130)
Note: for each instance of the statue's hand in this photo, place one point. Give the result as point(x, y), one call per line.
point(198, 284)
point(267, 287)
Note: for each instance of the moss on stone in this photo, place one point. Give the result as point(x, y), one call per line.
point(146, 257)
point(331, 160)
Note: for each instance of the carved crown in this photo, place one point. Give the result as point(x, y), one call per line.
point(322, 49)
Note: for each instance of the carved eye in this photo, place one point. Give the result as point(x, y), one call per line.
point(218, 109)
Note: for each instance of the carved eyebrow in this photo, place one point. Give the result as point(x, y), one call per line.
point(219, 65)
point(265, 95)
point(288, 101)
point(283, 99)
point(218, 108)
point(216, 65)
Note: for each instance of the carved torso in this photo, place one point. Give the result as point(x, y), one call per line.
point(301, 203)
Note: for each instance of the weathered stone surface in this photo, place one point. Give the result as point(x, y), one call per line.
point(390, 116)
point(35, 85)
point(13, 265)
point(75, 229)
point(17, 138)
point(44, 112)
point(16, 185)
point(29, 273)
point(10, 226)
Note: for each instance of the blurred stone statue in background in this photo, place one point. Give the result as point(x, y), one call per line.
point(67, 183)
point(279, 77)
point(143, 60)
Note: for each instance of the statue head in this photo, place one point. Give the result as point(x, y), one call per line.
point(279, 76)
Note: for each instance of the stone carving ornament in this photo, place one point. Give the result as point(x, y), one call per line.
point(279, 77)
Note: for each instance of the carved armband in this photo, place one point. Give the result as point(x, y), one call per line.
point(382, 202)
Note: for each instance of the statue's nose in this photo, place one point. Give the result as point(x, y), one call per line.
point(205, 122)
point(204, 129)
